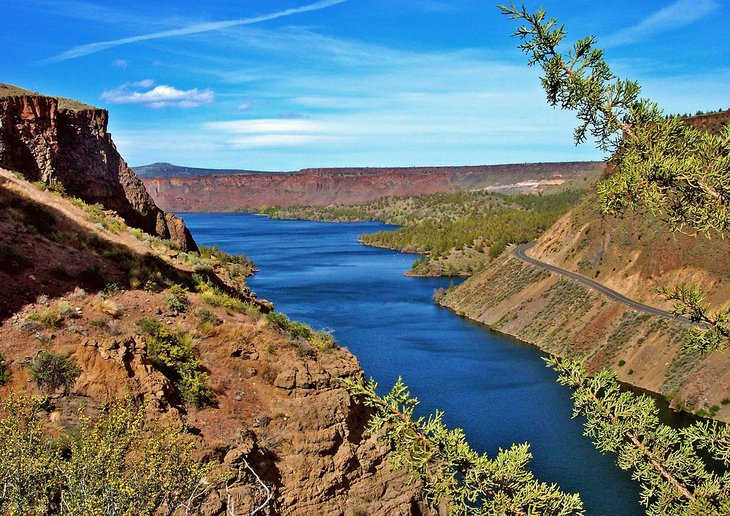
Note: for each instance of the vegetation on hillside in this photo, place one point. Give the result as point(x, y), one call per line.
point(459, 233)
point(678, 173)
point(115, 463)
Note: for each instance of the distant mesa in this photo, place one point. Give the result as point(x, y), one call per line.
point(184, 189)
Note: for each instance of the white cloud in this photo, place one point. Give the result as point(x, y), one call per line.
point(159, 96)
point(120, 63)
point(275, 140)
point(91, 48)
point(675, 16)
point(266, 125)
point(244, 106)
point(145, 83)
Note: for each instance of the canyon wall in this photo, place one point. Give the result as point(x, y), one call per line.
point(180, 189)
point(635, 255)
point(64, 143)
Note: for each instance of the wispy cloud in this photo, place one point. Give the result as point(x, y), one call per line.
point(91, 48)
point(267, 125)
point(674, 16)
point(158, 97)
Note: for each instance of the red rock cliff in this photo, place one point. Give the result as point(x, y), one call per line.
point(321, 187)
point(72, 147)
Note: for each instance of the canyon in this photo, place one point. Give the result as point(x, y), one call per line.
point(182, 189)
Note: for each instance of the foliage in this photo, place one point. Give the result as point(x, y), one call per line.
point(714, 335)
point(294, 328)
point(322, 340)
point(51, 371)
point(452, 472)
point(177, 298)
point(176, 355)
point(99, 215)
point(222, 256)
point(113, 464)
point(48, 317)
point(4, 371)
point(444, 223)
point(207, 316)
point(28, 475)
point(674, 476)
point(214, 296)
point(661, 164)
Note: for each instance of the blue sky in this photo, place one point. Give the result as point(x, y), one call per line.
point(282, 85)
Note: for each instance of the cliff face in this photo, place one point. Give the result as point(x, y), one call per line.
point(322, 187)
point(280, 407)
point(71, 147)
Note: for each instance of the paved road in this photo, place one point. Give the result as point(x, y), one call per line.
point(520, 252)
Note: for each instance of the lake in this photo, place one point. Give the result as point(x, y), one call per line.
point(494, 387)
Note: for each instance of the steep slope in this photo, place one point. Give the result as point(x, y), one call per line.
point(79, 284)
point(633, 255)
point(66, 143)
point(348, 186)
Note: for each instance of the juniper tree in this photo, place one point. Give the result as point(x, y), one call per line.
point(674, 476)
point(452, 472)
point(660, 164)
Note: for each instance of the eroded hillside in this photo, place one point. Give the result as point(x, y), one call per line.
point(79, 283)
point(633, 255)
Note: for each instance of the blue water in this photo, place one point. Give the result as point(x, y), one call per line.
point(494, 387)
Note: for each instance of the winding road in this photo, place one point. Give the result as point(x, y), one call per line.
point(520, 253)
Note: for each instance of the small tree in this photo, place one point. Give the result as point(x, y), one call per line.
point(120, 465)
point(28, 461)
point(452, 472)
point(51, 371)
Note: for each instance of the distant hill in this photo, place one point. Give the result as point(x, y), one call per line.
point(190, 189)
point(170, 170)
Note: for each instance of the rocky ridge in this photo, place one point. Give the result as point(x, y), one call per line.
point(198, 190)
point(280, 410)
point(65, 143)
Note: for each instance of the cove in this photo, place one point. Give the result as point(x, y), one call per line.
point(494, 387)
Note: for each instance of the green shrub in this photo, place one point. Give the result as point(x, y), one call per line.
point(47, 317)
point(66, 311)
point(322, 340)
point(294, 328)
point(175, 354)
point(113, 464)
point(177, 298)
point(51, 371)
point(4, 371)
point(29, 460)
point(207, 316)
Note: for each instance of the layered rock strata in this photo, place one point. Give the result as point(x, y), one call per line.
point(71, 146)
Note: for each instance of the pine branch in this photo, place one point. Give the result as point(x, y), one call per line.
point(451, 471)
point(675, 479)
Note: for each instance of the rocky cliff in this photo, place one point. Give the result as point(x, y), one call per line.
point(183, 189)
point(280, 411)
point(61, 142)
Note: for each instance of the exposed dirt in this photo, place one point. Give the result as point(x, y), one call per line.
point(279, 403)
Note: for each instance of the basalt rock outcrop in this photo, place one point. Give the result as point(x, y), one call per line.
point(66, 143)
point(187, 189)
